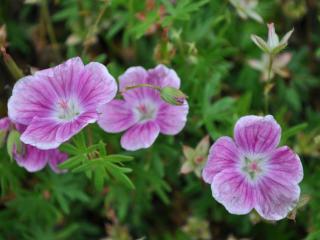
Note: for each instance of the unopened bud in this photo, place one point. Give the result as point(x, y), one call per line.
point(4, 129)
point(273, 39)
point(14, 144)
point(173, 96)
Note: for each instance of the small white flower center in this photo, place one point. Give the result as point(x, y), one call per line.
point(67, 109)
point(145, 111)
point(252, 167)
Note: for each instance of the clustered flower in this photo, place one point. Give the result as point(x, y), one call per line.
point(51, 106)
point(249, 172)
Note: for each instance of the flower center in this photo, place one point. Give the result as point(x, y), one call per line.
point(252, 167)
point(145, 111)
point(67, 109)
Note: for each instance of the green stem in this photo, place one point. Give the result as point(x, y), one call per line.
point(49, 26)
point(266, 93)
point(270, 67)
point(143, 85)
point(93, 29)
point(266, 103)
point(11, 65)
point(81, 10)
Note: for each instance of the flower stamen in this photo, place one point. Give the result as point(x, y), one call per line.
point(252, 167)
point(145, 112)
point(67, 110)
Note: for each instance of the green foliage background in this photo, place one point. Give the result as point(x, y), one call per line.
point(208, 45)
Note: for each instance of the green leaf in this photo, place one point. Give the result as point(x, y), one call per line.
point(66, 233)
point(73, 162)
point(65, 14)
point(244, 103)
point(118, 174)
point(313, 236)
point(220, 106)
point(99, 175)
point(80, 141)
point(182, 10)
point(70, 149)
point(117, 26)
point(141, 28)
point(93, 148)
point(118, 168)
point(89, 165)
point(118, 158)
point(292, 131)
point(63, 203)
point(102, 148)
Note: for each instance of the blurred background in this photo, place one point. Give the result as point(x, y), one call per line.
point(208, 44)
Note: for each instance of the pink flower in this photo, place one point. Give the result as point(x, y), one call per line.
point(142, 113)
point(252, 173)
point(34, 159)
point(58, 102)
point(29, 157)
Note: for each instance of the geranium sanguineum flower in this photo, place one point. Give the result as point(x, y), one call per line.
point(58, 102)
point(34, 159)
point(143, 114)
point(29, 157)
point(250, 172)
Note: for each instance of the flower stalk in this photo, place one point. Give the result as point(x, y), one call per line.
point(143, 85)
point(11, 65)
point(169, 94)
point(267, 88)
point(48, 23)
